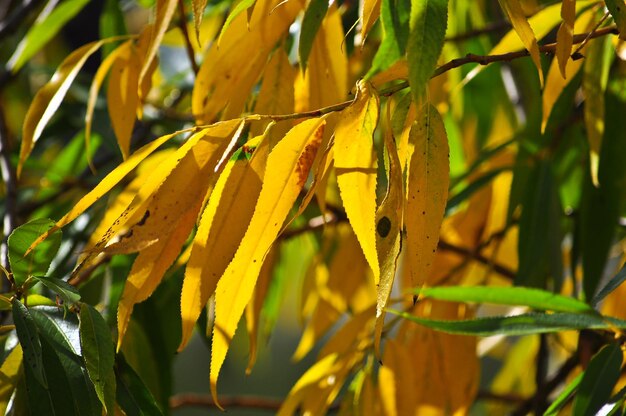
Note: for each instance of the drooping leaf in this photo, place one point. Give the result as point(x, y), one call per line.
point(198, 7)
point(132, 394)
point(287, 170)
point(369, 12)
point(611, 285)
point(222, 227)
point(564, 396)
point(524, 324)
point(355, 165)
point(395, 25)
point(428, 22)
point(389, 224)
point(10, 374)
point(49, 97)
point(618, 12)
point(36, 262)
point(67, 292)
point(311, 22)
point(598, 59)
point(427, 192)
point(164, 12)
point(520, 296)
point(29, 340)
point(515, 13)
point(601, 207)
point(104, 186)
point(48, 24)
point(565, 35)
point(111, 24)
point(236, 11)
point(99, 354)
point(598, 381)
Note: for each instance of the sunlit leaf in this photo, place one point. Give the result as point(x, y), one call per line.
point(565, 35)
point(521, 296)
point(10, 373)
point(48, 24)
point(427, 192)
point(49, 97)
point(164, 12)
point(515, 13)
point(287, 170)
point(369, 11)
point(355, 165)
point(198, 13)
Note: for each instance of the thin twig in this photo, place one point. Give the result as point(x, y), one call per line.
point(594, 30)
point(499, 397)
point(251, 402)
point(498, 268)
point(490, 28)
point(182, 24)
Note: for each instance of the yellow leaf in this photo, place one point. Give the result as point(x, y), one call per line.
point(10, 374)
point(558, 79)
point(98, 79)
point(388, 233)
point(399, 70)
point(276, 94)
point(514, 12)
point(355, 165)
point(49, 97)
point(122, 98)
point(565, 35)
point(287, 169)
point(164, 12)
point(222, 226)
point(229, 72)
point(398, 380)
point(105, 185)
point(370, 11)
point(325, 81)
point(198, 14)
point(150, 266)
point(253, 309)
point(427, 192)
point(174, 188)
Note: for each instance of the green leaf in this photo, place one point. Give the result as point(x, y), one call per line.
point(429, 19)
point(612, 284)
point(111, 24)
point(67, 292)
point(98, 353)
point(394, 17)
point(59, 385)
point(564, 396)
point(240, 7)
point(37, 261)
point(132, 394)
point(539, 246)
point(48, 24)
point(524, 324)
point(600, 210)
point(520, 296)
point(311, 23)
point(618, 12)
point(598, 380)
point(29, 339)
point(61, 333)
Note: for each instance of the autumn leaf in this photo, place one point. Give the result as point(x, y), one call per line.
point(287, 169)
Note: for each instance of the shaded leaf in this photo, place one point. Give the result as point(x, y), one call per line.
point(67, 292)
point(311, 23)
point(198, 13)
point(10, 375)
point(611, 285)
point(369, 11)
point(132, 394)
point(98, 353)
point(25, 263)
point(565, 34)
point(598, 380)
point(618, 12)
point(395, 25)
point(29, 339)
point(563, 398)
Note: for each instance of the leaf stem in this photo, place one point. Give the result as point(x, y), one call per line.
point(182, 24)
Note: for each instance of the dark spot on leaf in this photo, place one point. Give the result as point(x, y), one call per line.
point(383, 227)
point(145, 217)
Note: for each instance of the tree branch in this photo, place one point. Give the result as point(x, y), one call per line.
point(203, 400)
point(182, 24)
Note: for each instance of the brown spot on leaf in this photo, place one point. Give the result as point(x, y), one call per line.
point(308, 156)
